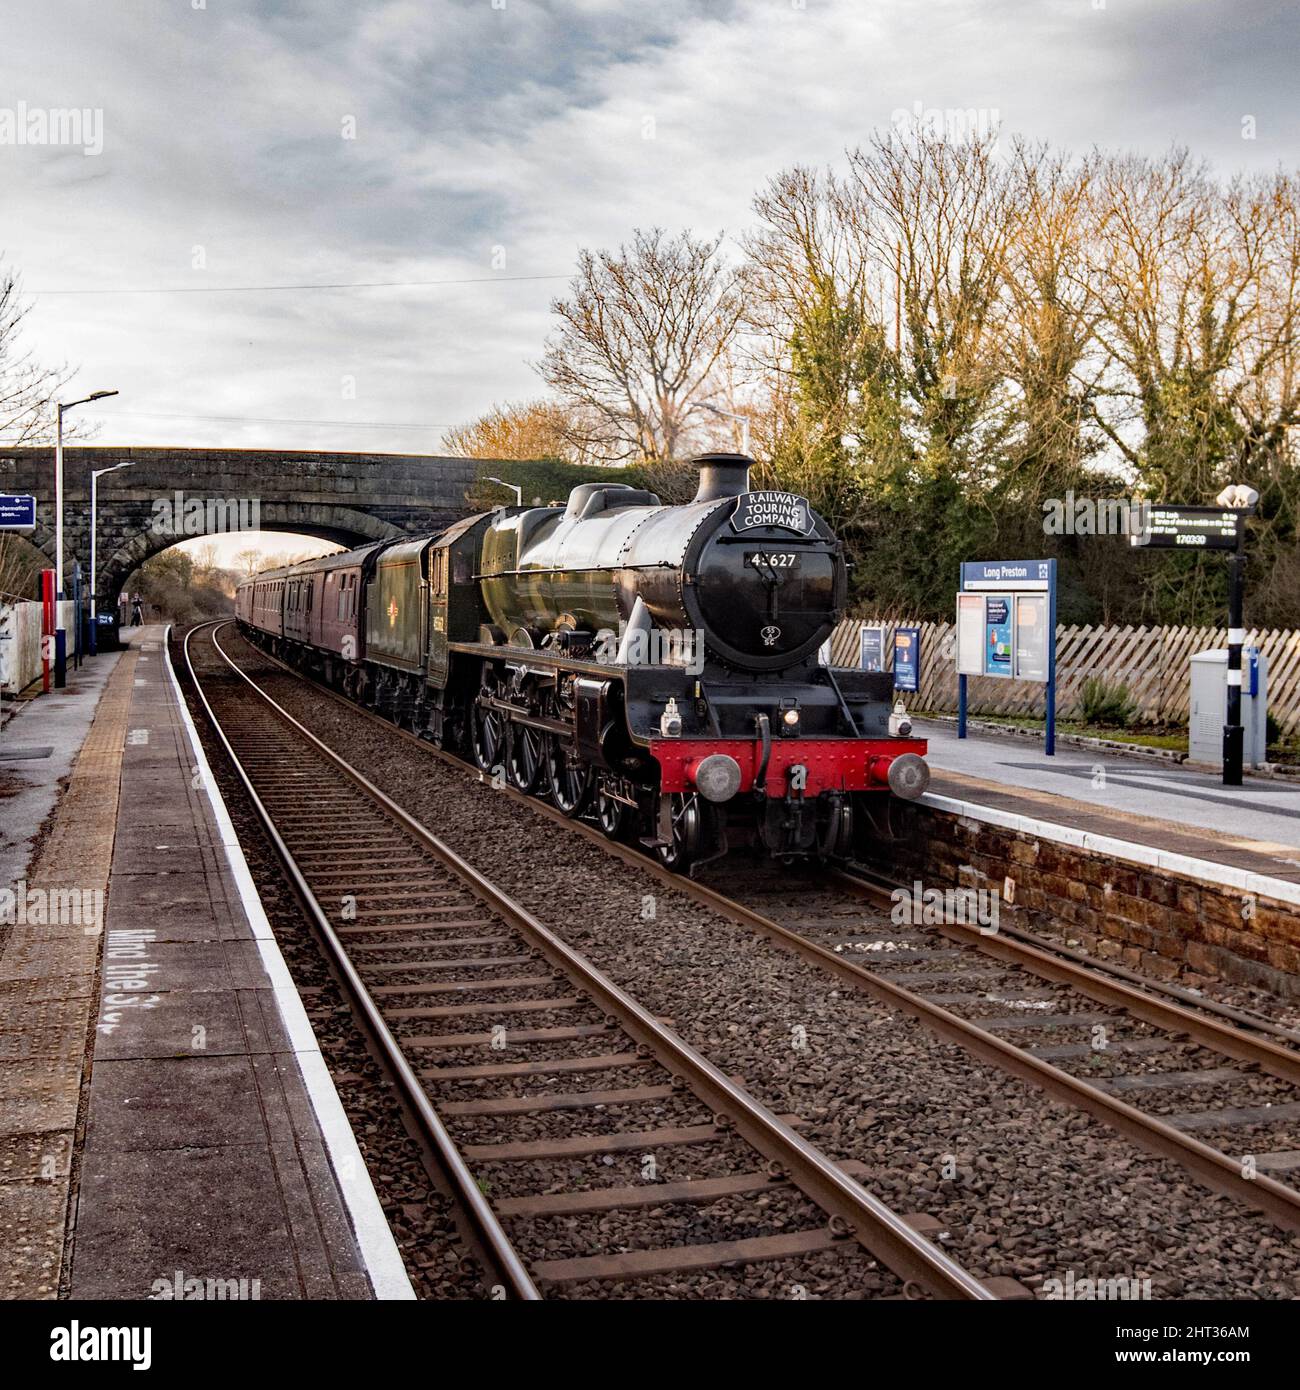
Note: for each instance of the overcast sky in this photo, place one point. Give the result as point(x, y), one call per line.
point(493, 138)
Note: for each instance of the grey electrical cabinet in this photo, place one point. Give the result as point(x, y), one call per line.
point(1210, 706)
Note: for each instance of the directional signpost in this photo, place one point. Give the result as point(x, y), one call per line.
point(1214, 528)
point(17, 512)
point(1006, 627)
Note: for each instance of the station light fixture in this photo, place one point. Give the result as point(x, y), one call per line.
point(514, 487)
point(61, 408)
point(1238, 497)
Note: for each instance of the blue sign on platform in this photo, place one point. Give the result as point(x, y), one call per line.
point(907, 658)
point(872, 649)
point(17, 513)
point(1000, 575)
point(997, 638)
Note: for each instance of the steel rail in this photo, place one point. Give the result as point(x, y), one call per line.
point(1218, 1170)
point(1222, 1037)
point(514, 1275)
point(879, 1229)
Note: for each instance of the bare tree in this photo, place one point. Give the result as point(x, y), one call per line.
point(28, 389)
point(640, 337)
point(937, 211)
point(815, 336)
point(1047, 321)
point(250, 560)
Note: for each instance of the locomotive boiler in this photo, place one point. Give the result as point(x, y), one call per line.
point(655, 667)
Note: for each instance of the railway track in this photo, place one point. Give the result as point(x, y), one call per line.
point(1119, 1062)
point(492, 1027)
point(984, 990)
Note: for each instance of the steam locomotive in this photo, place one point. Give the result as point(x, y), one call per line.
point(654, 667)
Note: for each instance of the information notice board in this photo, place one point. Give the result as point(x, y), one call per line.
point(1006, 628)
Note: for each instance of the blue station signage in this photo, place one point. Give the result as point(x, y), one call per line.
point(17, 512)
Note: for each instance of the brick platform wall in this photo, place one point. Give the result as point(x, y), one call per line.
point(1177, 928)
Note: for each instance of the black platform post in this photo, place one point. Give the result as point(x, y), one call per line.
point(1233, 734)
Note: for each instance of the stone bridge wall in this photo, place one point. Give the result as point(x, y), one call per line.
point(349, 498)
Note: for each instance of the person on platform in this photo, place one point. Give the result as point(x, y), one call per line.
point(137, 611)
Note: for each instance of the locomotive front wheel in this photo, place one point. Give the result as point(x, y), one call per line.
point(488, 738)
point(525, 757)
point(570, 785)
point(688, 833)
point(611, 815)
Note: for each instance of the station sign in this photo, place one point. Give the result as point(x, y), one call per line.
point(17, 512)
point(1017, 575)
point(1004, 619)
point(1190, 528)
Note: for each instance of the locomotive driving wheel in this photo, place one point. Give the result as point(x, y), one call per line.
point(525, 756)
point(487, 730)
point(570, 780)
point(611, 815)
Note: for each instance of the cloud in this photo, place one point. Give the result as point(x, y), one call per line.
point(504, 136)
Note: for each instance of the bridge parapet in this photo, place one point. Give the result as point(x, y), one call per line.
point(172, 494)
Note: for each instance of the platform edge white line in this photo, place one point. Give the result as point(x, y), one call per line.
point(379, 1252)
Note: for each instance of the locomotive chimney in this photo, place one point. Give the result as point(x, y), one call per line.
point(722, 475)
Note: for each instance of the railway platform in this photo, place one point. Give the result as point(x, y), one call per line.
point(1173, 813)
point(1156, 865)
point(168, 1127)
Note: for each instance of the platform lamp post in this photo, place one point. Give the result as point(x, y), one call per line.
point(58, 484)
point(95, 475)
point(1237, 498)
point(513, 487)
point(731, 415)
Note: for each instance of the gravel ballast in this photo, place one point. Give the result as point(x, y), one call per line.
point(1028, 1187)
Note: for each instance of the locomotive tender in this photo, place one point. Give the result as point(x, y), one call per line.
point(656, 666)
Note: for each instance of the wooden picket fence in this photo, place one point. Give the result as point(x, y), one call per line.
point(1151, 661)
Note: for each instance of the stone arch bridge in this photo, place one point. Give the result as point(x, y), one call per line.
point(171, 495)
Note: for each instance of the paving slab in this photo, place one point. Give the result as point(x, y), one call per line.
point(203, 1152)
point(147, 1035)
point(60, 816)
